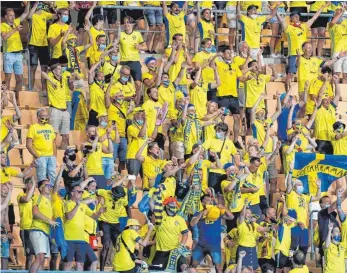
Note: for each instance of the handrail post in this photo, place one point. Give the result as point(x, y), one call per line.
point(311, 234)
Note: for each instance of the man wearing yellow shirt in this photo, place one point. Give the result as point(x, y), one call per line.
point(338, 31)
point(59, 117)
point(334, 250)
point(40, 143)
point(41, 224)
point(93, 150)
point(150, 78)
point(57, 31)
point(38, 44)
point(339, 141)
point(251, 26)
point(12, 46)
point(326, 117)
point(296, 33)
point(7, 172)
point(25, 205)
point(111, 68)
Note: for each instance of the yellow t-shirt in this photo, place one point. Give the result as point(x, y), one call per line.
point(259, 133)
point(317, 5)
point(295, 4)
point(198, 97)
point(53, 32)
point(338, 35)
point(169, 231)
point(39, 28)
point(246, 4)
point(65, 81)
point(95, 33)
point(232, 202)
point(175, 68)
point(101, 132)
point(13, 43)
point(254, 87)
point(300, 204)
point(45, 207)
point(128, 52)
point(247, 234)
point(206, 30)
point(145, 76)
point(97, 97)
point(323, 125)
point(56, 95)
point(151, 109)
point(135, 142)
point(296, 37)
point(257, 179)
point(315, 86)
point(7, 173)
point(226, 151)
point(228, 74)
point(25, 212)
point(176, 24)
point(152, 3)
point(303, 269)
point(265, 248)
point(122, 260)
point(283, 242)
point(334, 258)
point(57, 205)
point(239, 60)
point(73, 228)
point(114, 210)
point(308, 70)
point(203, 58)
point(251, 29)
point(109, 68)
point(61, 4)
point(94, 161)
point(230, 254)
point(43, 137)
point(119, 115)
point(339, 146)
point(167, 94)
point(127, 89)
point(151, 168)
point(205, 166)
point(344, 235)
point(106, 3)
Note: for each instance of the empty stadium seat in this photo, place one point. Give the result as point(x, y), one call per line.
point(27, 157)
point(29, 99)
point(15, 157)
point(28, 117)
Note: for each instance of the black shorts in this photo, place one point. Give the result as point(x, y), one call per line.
point(321, 21)
point(262, 261)
point(80, 18)
point(324, 147)
point(215, 180)
point(135, 69)
point(76, 252)
point(135, 14)
point(92, 119)
point(162, 258)
point(282, 261)
point(28, 247)
point(300, 10)
point(38, 53)
point(110, 232)
point(212, 95)
point(109, 13)
point(231, 103)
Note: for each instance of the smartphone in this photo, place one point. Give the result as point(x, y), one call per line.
point(113, 122)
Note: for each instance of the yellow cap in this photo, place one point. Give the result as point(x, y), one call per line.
point(213, 213)
point(132, 222)
point(101, 115)
point(179, 95)
point(259, 110)
point(71, 36)
point(137, 110)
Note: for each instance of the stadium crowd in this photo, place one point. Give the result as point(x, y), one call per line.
point(180, 151)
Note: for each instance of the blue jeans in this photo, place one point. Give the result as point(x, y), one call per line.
point(120, 150)
point(107, 167)
point(45, 167)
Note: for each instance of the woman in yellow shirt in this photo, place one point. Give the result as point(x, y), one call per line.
point(334, 251)
point(205, 25)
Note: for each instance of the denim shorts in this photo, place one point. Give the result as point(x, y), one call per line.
point(5, 248)
point(46, 167)
point(120, 149)
point(292, 64)
point(214, 250)
point(13, 62)
point(76, 252)
point(154, 17)
point(274, 19)
point(108, 167)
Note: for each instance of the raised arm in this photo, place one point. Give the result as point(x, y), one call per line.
point(33, 10)
point(328, 238)
point(312, 118)
point(89, 13)
point(337, 16)
point(282, 22)
point(181, 74)
point(66, 35)
point(243, 212)
point(341, 213)
point(139, 155)
point(278, 110)
point(216, 76)
point(273, 12)
point(238, 10)
point(26, 12)
point(318, 194)
point(107, 94)
point(315, 17)
point(255, 107)
point(165, 10)
point(197, 78)
point(58, 178)
point(91, 72)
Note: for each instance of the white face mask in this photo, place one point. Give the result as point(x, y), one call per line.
point(253, 16)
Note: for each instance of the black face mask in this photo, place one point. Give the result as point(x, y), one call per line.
point(72, 157)
point(92, 137)
point(273, 220)
point(155, 156)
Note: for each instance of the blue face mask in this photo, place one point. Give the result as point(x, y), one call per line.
point(299, 189)
point(208, 49)
point(63, 68)
point(337, 238)
point(166, 83)
point(102, 46)
point(65, 18)
point(62, 192)
point(103, 123)
point(124, 79)
point(219, 135)
point(114, 58)
point(139, 122)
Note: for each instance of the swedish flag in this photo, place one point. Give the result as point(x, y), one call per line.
point(328, 168)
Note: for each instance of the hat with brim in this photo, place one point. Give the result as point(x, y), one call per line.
point(213, 213)
point(138, 110)
point(71, 36)
point(260, 110)
point(295, 12)
point(132, 222)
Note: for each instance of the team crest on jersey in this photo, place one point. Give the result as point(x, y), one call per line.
point(134, 37)
point(176, 223)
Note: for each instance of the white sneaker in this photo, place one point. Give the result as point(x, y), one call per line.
point(273, 55)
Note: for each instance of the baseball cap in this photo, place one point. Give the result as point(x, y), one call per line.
point(227, 166)
point(283, 95)
point(101, 115)
point(137, 110)
point(149, 59)
point(294, 12)
point(70, 151)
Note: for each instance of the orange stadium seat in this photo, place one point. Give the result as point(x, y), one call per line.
point(15, 157)
point(29, 99)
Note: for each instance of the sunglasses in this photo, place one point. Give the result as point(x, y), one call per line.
point(78, 192)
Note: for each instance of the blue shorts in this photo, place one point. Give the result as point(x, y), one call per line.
point(13, 62)
point(120, 149)
point(90, 254)
point(154, 17)
point(77, 252)
point(108, 167)
point(274, 19)
point(292, 64)
point(200, 251)
point(195, 233)
point(5, 248)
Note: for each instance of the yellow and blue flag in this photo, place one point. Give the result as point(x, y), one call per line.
point(308, 167)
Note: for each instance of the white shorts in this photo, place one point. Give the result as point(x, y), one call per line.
point(40, 243)
point(314, 206)
point(60, 120)
point(231, 16)
point(340, 65)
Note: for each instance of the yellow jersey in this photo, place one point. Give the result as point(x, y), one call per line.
point(323, 124)
point(25, 212)
point(338, 35)
point(175, 24)
point(38, 35)
point(239, 61)
point(265, 248)
point(334, 258)
point(94, 33)
point(65, 81)
point(45, 207)
point(339, 146)
point(94, 161)
point(7, 173)
point(57, 205)
point(254, 87)
point(54, 31)
point(206, 30)
point(228, 74)
point(119, 115)
point(296, 36)
point(257, 179)
point(251, 29)
point(246, 4)
point(128, 51)
point(295, 4)
point(110, 69)
point(127, 89)
point(56, 95)
point(169, 231)
point(13, 43)
point(317, 5)
point(114, 209)
point(315, 86)
point(134, 141)
point(259, 133)
point(308, 70)
point(205, 166)
point(247, 234)
point(151, 109)
point(300, 204)
point(151, 168)
point(43, 137)
point(145, 76)
point(203, 58)
point(303, 269)
point(198, 97)
point(97, 97)
point(233, 201)
point(175, 68)
point(167, 94)
point(283, 240)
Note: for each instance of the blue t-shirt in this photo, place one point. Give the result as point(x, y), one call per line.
point(283, 121)
point(210, 232)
